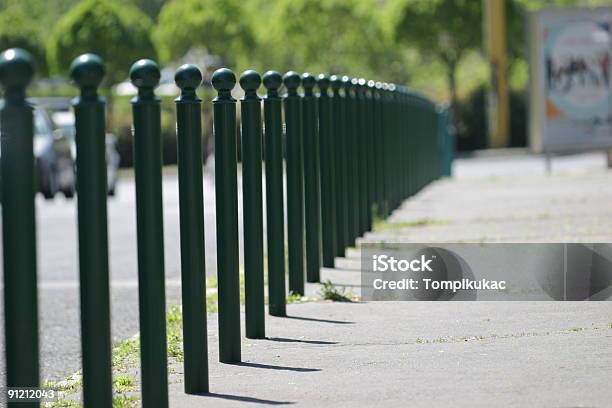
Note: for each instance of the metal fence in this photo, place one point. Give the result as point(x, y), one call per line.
point(355, 149)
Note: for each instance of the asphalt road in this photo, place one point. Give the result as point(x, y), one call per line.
point(58, 268)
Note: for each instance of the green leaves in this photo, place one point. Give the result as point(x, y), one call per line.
point(223, 28)
point(119, 33)
point(17, 30)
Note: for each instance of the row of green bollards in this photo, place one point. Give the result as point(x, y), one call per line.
point(355, 149)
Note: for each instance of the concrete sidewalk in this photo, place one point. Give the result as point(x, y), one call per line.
point(408, 354)
point(460, 354)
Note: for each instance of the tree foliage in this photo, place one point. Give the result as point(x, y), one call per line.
point(19, 31)
point(338, 36)
point(119, 33)
point(222, 27)
point(441, 29)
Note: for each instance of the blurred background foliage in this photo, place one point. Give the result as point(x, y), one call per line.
point(434, 46)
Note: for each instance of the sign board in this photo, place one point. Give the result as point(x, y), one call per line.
point(570, 92)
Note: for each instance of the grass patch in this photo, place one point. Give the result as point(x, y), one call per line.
point(125, 354)
point(123, 383)
point(330, 292)
point(421, 222)
point(62, 404)
point(294, 298)
point(174, 327)
point(211, 283)
point(125, 401)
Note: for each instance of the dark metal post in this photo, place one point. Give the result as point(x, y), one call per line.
point(145, 76)
point(19, 225)
point(191, 204)
point(252, 206)
point(380, 149)
point(362, 149)
point(339, 132)
point(352, 149)
point(371, 154)
point(87, 71)
point(273, 140)
point(312, 188)
point(226, 192)
point(295, 182)
point(328, 182)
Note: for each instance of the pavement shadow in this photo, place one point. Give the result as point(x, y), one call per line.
point(312, 319)
point(246, 399)
point(276, 367)
point(285, 340)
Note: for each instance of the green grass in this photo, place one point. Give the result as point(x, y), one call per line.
point(125, 401)
point(418, 223)
point(330, 292)
point(125, 354)
point(174, 327)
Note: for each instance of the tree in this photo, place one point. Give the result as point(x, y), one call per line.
point(118, 33)
point(18, 31)
point(336, 36)
point(441, 29)
point(221, 27)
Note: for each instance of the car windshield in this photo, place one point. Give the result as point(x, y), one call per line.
point(41, 125)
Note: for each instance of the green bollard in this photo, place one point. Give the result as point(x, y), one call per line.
point(338, 136)
point(403, 140)
point(347, 152)
point(19, 225)
point(312, 179)
point(379, 149)
point(145, 76)
point(252, 206)
point(295, 182)
point(353, 165)
point(273, 140)
point(371, 154)
point(362, 134)
point(191, 205)
point(328, 182)
point(226, 193)
point(388, 150)
point(87, 71)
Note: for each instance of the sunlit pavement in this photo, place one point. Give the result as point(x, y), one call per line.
point(499, 198)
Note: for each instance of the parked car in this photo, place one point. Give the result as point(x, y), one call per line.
point(64, 120)
point(53, 157)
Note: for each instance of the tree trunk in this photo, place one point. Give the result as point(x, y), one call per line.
point(451, 68)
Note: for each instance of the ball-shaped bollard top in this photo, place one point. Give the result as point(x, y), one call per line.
point(223, 80)
point(323, 81)
point(272, 80)
point(87, 71)
point(250, 81)
point(16, 68)
point(292, 80)
point(188, 77)
point(145, 74)
point(308, 81)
